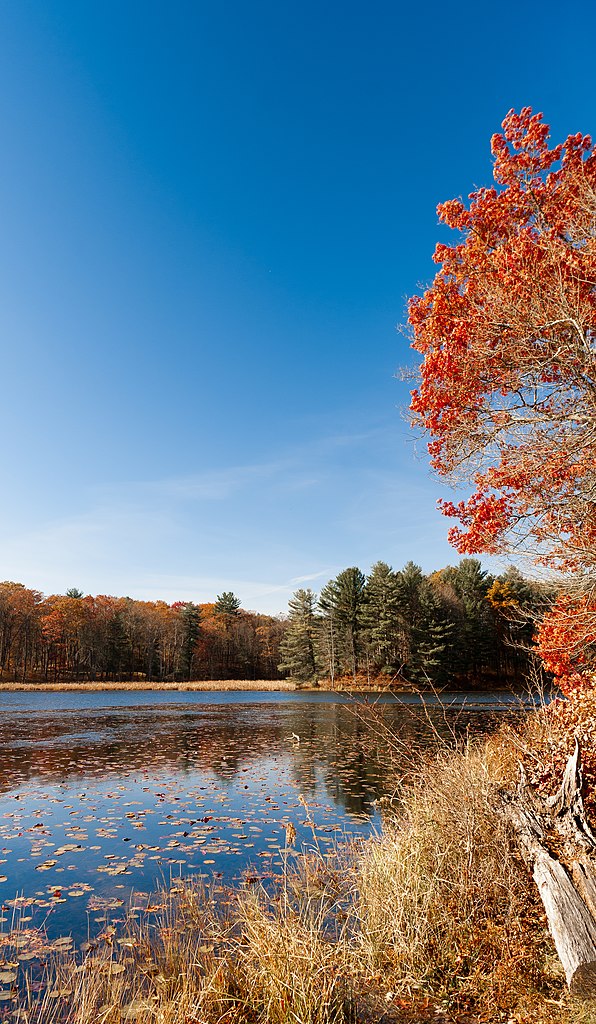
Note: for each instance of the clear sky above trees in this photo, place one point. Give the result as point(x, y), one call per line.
point(212, 215)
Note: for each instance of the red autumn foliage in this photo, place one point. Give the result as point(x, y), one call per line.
point(508, 384)
point(566, 640)
point(559, 725)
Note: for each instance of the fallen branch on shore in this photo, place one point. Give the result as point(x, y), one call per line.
point(559, 847)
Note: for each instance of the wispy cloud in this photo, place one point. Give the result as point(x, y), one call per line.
point(207, 486)
point(309, 577)
point(254, 529)
point(296, 469)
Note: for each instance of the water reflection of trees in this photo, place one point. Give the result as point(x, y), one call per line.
point(354, 752)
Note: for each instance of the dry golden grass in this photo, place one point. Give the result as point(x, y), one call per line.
point(294, 971)
point(245, 959)
point(362, 685)
point(207, 685)
point(446, 904)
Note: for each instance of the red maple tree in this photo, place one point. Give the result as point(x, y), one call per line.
point(508, 382)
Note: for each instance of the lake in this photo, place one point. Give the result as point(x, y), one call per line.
point(110, 793)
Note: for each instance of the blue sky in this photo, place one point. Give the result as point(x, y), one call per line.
point(212, 215)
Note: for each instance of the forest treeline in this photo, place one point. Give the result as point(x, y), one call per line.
point(77, 637)
point(458, 626)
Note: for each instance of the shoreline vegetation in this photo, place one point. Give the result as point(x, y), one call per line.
point(435, 918)
point(345, 686)
point(208, 685)
point(457, 627)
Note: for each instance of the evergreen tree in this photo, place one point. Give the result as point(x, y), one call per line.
point(227, 606)
point(409, 581)
point(380, 618)
point(227, 603)
point(342, 601)
point(432, 660)
point(117, 650)
point(298, 649)
point(190, 615)
point(426, 630)
point(476, 635)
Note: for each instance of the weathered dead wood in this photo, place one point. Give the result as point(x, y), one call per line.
point(584, 879)
point(569, 820)
point(569, 896)
point(567, 806)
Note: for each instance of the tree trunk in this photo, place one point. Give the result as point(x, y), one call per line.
point(568, 893)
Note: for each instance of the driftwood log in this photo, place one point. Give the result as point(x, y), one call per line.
point(566, 879)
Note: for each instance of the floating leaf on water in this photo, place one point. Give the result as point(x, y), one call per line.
point(6, 977)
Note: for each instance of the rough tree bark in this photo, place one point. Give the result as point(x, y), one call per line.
point(567, 892)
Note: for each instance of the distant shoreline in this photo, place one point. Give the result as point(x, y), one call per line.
point(219, 685)
point(203, 685)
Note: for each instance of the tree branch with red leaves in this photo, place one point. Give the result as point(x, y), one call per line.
point(507, 332)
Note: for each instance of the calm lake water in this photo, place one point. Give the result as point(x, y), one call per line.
point(112, 793)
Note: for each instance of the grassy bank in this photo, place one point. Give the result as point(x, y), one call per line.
point(434, 919)
point(341, 685)
point(207, 685)
point(203, 685)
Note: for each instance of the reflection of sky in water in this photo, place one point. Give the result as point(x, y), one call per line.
point(98, 800)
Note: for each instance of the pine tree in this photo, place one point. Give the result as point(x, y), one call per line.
point(477, 637)
point(227, 606)
point(227, 603)
point(409, 581)
point(118, 650)
point(298, 648)
point(190, 615)
point(380, 618)
point(432, 661)
point(425, 628)
point(342, 602)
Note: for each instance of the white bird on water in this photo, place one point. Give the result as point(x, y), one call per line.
point(293, 736)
